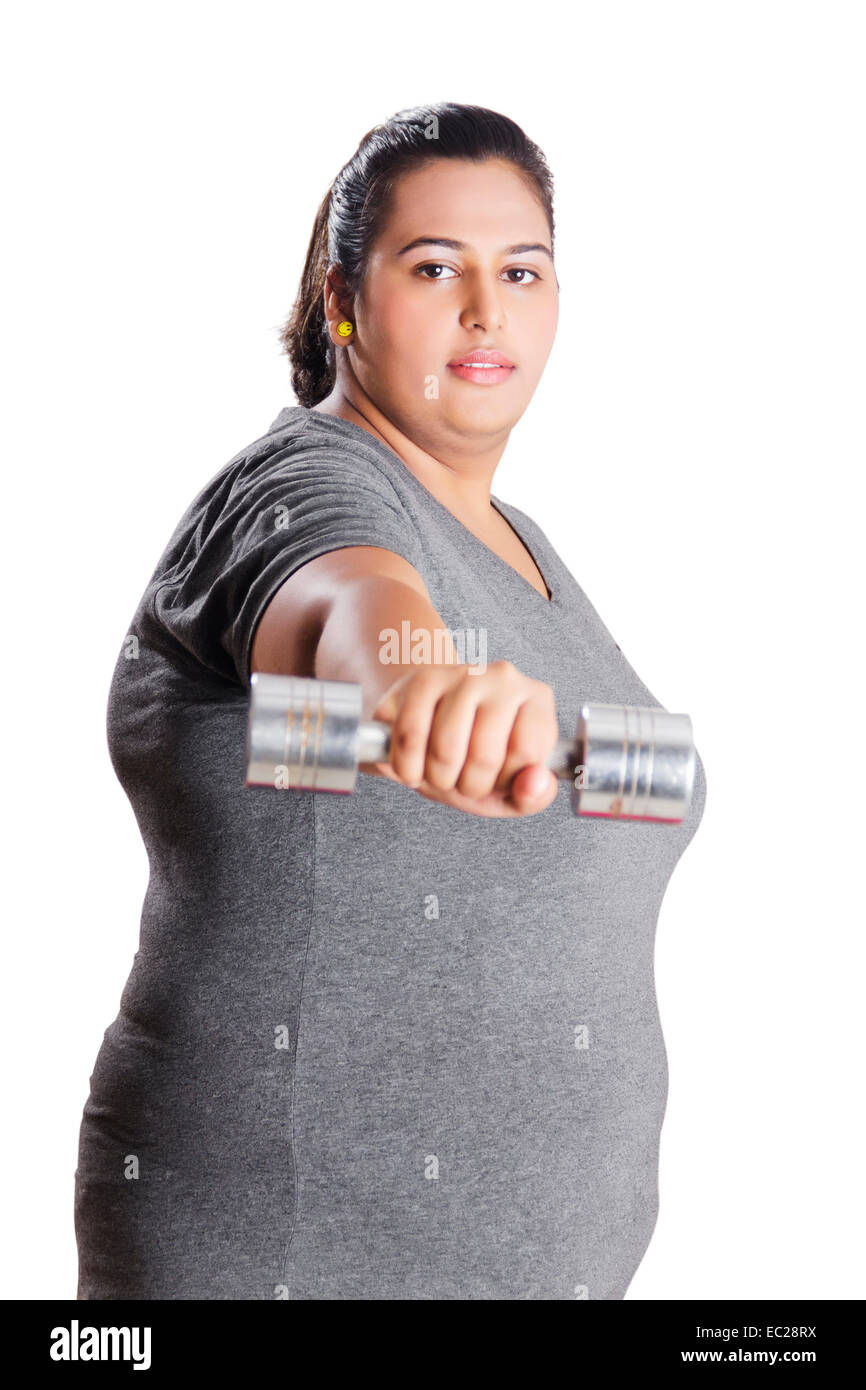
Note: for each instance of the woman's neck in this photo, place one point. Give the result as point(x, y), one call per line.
point(463, 488)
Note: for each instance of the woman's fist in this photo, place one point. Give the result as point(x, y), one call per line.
point(476, 740)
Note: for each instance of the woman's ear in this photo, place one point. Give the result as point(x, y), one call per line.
point(337, 301)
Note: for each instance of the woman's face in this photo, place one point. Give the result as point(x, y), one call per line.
point(423, 308)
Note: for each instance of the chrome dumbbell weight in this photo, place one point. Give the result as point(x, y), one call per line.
point(625, 762)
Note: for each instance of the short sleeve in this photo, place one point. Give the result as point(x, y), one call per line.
point(274, 518)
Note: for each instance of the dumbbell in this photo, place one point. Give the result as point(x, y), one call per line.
point(626, 762)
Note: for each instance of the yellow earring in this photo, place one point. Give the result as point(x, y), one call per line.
point(345, 328)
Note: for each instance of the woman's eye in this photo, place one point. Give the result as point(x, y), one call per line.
point(432, 266)
point(522, 270)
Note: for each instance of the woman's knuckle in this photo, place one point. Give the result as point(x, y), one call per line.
point(437, 752)
point(408, 738)
point(524, 749)
point(484, 759)
point(540, 693)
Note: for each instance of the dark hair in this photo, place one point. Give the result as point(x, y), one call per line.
point(357, 205)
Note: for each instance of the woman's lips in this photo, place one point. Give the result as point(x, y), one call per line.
point(483, 376)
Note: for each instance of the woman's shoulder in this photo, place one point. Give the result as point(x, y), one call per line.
point(311, 447)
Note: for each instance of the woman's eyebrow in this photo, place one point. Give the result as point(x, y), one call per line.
point(519, 250)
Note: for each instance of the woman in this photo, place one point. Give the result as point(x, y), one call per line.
point(402, 1044)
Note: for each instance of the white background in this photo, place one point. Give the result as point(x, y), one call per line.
point(694, 452)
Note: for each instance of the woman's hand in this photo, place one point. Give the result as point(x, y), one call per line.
point(475, 740)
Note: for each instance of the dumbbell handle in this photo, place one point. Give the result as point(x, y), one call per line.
point(374, 746)
point(627, 762)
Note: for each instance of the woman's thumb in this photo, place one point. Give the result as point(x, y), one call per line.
point(533, 786)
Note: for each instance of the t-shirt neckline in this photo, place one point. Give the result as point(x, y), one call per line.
point(352, 430)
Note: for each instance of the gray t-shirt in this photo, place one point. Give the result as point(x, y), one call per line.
point(370, 1047)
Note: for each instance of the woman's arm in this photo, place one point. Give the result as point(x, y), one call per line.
point(325, 621)
point(478, 740)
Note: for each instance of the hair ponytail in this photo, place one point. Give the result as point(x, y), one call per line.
point(355, 208)
point(305, 335)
